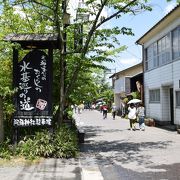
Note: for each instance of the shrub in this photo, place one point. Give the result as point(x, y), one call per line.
point(26, 148)
point(65, 142)
point(6, 150)
point(38, 145)
point(62, 144)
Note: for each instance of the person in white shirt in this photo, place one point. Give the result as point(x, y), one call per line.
point(132, 116)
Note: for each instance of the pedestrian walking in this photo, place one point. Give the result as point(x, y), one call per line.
point(75, 107)
point(132, 116)
point(123, 109)
point(140, 116)
point(80, 108)
point(114, 109)
point(104, 110)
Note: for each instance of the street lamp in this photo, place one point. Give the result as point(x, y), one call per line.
point(81, 16)
point(77, 41)
point(66, 18)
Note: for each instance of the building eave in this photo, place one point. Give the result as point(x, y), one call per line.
point(30, 41)
point(164, 22)
point(123, 71)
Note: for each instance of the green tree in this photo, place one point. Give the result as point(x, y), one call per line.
point(47, 17)
point(6, 93)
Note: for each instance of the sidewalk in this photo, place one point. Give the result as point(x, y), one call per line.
point(48, 169)
point(117, 153)
point(110, 152)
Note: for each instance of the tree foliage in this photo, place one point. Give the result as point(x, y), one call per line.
point(73, 68)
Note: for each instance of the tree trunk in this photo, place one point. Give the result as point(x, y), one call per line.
point(1, 120)
point(62, 95)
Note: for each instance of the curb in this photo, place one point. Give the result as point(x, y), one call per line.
point(90, 173)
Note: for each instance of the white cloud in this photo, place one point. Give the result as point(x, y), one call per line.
point(73, 5)
point(18, 10)
point(128, 61)
point(123, 63)
point(169, 7)
point(103, 48)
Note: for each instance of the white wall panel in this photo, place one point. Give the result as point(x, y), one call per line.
point(119, 85)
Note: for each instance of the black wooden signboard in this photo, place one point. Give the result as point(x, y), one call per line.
point(33, 101)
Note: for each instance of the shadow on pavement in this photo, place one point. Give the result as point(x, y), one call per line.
point(52, 169)
point(109, 154)
point(125, 152)
point(95, 130)
point(162, 172)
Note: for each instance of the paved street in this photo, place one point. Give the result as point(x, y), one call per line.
point(48, 169)
point(110, 152)
point(117, 153)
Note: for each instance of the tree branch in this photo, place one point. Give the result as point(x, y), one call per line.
point(41, 4)
point(31, 1)
point(90, 34)
point(85, 48)
point(73, 79)
point(115, 14)
point(41, 13)
point(27, 18)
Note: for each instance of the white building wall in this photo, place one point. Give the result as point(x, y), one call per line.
point(165, 103)
point(177, 116)
point(158, 79)
point(118, 88)
point(169, 28)
point(119, 85)
point(117, 100)
point(163, 78)
point(176, 77)
point(154, 111)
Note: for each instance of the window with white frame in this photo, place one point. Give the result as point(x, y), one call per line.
point(158, 53)
point(163, 46)
point(151, 57)
point(178, 98)
point(176, 43)
point(154, 96)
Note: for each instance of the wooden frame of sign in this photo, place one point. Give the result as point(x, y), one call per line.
point(33, 77)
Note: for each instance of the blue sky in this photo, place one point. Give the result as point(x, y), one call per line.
point(140, 24)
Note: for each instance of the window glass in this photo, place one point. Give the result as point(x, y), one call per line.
point(176, 43)
point(154, 96)
point(178, 98)
point(158, 53)
point(168, 48)
point(164, 50)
